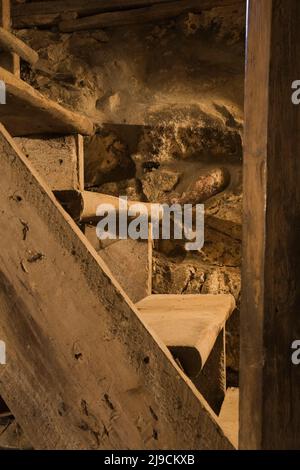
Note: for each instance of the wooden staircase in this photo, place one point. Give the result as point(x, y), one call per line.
point(88, 366)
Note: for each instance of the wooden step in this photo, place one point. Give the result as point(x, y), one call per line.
point(58, 160)
point(130, 262)
point(193, 328)
point(188, 324)
point(28, 112)
point(229, 415)
point(89, 374)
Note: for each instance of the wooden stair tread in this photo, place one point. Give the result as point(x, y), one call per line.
point(190, 321)
point(28, 112)
point(82, 367)
point(229, 415)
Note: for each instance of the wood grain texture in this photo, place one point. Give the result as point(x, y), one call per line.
point(57, 160)
point(82, 370)
point(211, 382)
point(187, 321)
point(270, 321)
point(9, 60)
point(90, 7)
point(82, 7)
point(28, 112)
point(137, 16)
point(89, 201)
point(229, 415)
point(31, 21)
point(128, 261)
point(11, 43)
point(5, 17)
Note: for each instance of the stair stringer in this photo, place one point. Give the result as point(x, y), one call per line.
point(82, 371)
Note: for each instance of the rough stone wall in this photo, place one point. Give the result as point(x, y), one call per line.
point(167, 102)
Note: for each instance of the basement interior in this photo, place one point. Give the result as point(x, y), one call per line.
point(123, 343)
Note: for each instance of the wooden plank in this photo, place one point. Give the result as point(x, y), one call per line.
point(50, 19)
point(28, 112)
point(211, 382)
point(84, 207)
point(12, 44)
point(52, 12)
point(5, 17)
point(193, 328)
point(57, 160)
point(80, 160)
point(82, 7)
point(11, 435)
point(229, 415)
point(269, 382)
point(10, 61)
point(192, 322)
point(89, 373)
point(128, 261)
point(137, 16)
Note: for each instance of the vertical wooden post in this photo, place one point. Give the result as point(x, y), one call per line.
point(270, 319)
point(8, 61)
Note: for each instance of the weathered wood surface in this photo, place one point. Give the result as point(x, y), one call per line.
point(58, 160)
point(28, 112)
point(148, 14)
point(10, 61)
point(5, 18)
point(82, 370)
point(270, 321)
point(82, 7)
point(190, 322)
point(193, 328)
point(11, 43)
point(128, 261)
point(211, 382)
point(47, 19)
point(84, 207)
point(51, 12)
point(11, 435)
point(229, 415)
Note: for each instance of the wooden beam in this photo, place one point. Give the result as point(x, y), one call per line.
point(5, 14)
point(47, 19)
point(229, 415)
point(191, 322)
point(148, 14)
point(82, 7)
point(128, 260)
point(9, 61)
point(12, 44)
point(82, 206)
point(270, 321)
point(89, 373)
point(28, 112)
point(58, 160)
point(193, 328)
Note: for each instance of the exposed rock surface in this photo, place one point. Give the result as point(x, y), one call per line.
point(106, 159)
point(159, 182)
point(167, 100)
